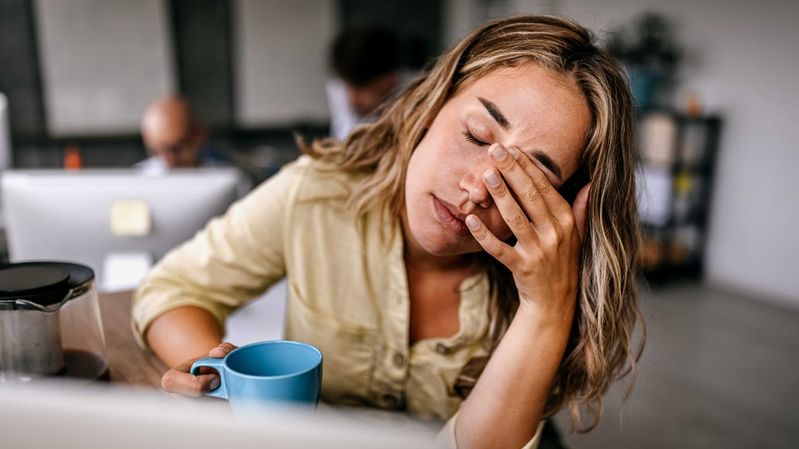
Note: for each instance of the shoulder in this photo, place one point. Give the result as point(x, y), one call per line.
point(321, 181)
point(307, 183)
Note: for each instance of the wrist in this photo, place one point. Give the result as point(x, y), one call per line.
point(562, 315)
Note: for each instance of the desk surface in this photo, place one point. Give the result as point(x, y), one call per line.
point(131, 365)
point(128, 363)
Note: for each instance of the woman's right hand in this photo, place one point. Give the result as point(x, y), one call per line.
point(180, 380)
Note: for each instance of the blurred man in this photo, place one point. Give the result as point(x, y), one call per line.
point(366, 64)
point(173, 137)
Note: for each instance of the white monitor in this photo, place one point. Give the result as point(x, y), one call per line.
point(110, 218)
point(5, 134)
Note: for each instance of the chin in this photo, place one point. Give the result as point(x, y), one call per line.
point(440, 243)
point(438, 248)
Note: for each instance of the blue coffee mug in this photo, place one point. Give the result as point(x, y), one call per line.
point(269, 371)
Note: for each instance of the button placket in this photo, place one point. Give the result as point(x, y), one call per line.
point(394, 355)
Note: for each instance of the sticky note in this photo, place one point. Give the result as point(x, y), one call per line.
point(130, 218)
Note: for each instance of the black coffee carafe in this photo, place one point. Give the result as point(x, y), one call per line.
point(50, 322)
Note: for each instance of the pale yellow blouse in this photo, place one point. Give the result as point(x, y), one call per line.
point(347, 294)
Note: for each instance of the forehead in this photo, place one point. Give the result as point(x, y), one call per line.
point(545, 110)
point(165, 133)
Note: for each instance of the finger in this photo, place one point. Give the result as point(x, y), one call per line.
point(580, 207)
point(509, 208)
point(524, 186)
point(490, 243)
point(557, 205)
point(185, 367)
point(187, 384)
point(221, 350)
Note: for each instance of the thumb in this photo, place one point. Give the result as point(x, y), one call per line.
point(221, 350)
point(580, 207)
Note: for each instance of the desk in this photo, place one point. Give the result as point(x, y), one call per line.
point(131, 365)
point(127, 362)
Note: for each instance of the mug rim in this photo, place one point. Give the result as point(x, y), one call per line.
point(272, 342)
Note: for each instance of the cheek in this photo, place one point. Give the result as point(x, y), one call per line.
point(444, 146)
point(496, 224)
point(434, 160)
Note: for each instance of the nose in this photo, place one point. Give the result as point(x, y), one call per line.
point(472, 183)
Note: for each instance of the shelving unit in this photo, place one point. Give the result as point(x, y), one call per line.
point(677, 161)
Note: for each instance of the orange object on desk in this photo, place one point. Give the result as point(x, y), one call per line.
point(72, 159)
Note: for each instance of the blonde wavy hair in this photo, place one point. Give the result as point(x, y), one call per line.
point(601, 347)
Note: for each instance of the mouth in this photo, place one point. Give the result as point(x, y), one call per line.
point(450, 218)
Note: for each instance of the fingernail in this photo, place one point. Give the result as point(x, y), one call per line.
point(497, 152)
point(492, 179)
point(513, 152)
point(472, 222)
point(214, 383)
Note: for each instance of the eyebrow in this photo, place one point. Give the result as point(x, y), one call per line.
point(493, 110)
point(542, 157)
point(547, 162)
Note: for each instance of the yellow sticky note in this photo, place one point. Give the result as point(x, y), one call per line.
point(130, 218)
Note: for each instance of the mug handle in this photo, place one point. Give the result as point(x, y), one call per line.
point(217, 364)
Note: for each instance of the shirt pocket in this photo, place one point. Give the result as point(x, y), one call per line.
point(348, 350)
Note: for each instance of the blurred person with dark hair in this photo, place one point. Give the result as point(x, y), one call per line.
point(173, 137)
point(365, 62)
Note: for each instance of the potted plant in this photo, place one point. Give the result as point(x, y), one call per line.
point(649, 52)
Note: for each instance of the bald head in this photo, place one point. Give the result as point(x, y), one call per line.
point(170, 132)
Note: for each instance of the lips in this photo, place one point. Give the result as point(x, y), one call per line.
point(450, 218)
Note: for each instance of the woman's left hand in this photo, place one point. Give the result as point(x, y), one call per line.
point(549, 232)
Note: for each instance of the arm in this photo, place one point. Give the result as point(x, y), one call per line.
point(183, 333)
point(508, 400)
point(180, 308)
point(181, 336)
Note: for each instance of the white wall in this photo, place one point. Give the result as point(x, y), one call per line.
point(281, 60)
point(744, 63)
point(102, 62)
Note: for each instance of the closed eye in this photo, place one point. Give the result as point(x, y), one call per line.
point(470, 137)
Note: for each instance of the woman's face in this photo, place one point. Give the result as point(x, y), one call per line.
point(541, 113)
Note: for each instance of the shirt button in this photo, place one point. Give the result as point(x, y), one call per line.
point(390, 400)
point(399, 360)
point(441, 348)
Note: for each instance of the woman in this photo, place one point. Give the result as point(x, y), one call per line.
point(460, 225)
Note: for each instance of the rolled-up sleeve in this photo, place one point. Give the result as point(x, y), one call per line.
point(446, 436)
point(233, 259)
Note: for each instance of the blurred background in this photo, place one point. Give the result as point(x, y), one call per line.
point(713, 80)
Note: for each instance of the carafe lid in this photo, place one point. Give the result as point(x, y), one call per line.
point(43, 283)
